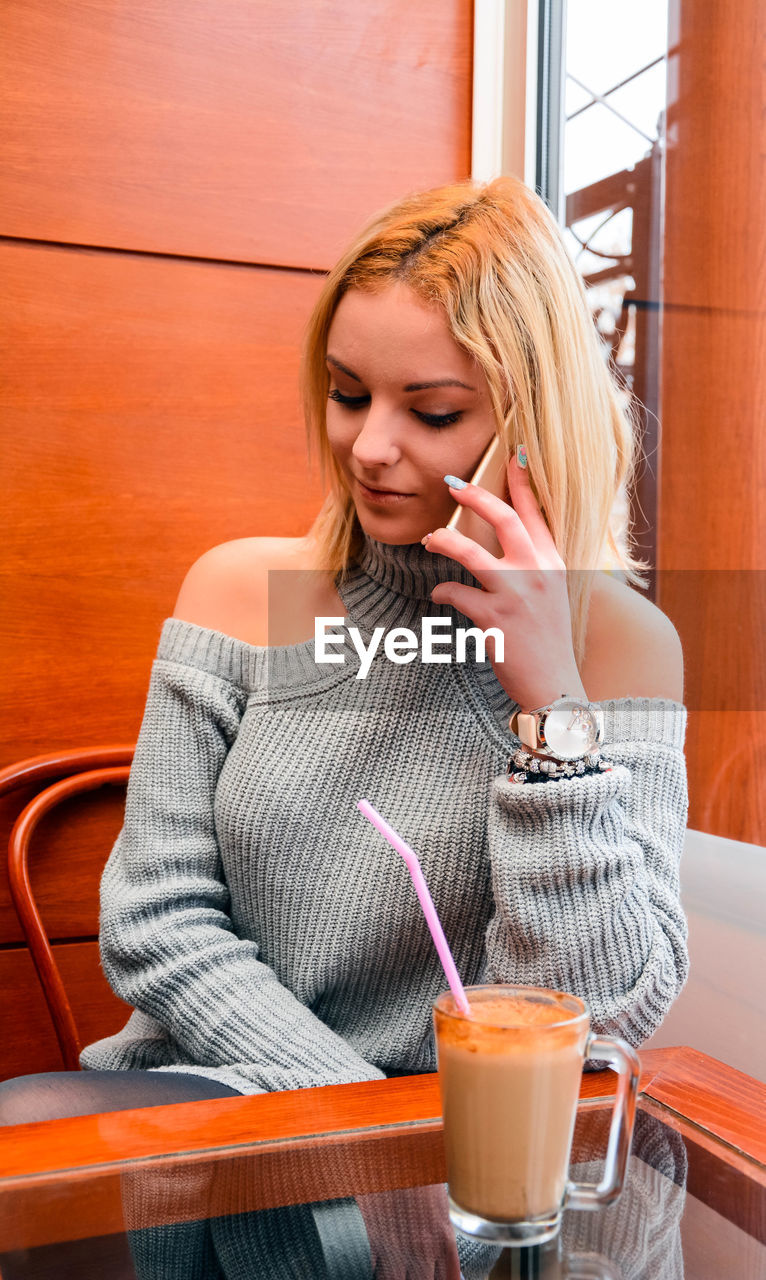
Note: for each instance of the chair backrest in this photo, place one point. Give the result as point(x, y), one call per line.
point(86, 770)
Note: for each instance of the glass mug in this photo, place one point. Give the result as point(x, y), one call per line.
point(509, 1078)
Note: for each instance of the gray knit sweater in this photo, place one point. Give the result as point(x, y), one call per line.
point(264, 932)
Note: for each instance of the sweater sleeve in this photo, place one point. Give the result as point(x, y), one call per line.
point(168, 944)
point(585, 875)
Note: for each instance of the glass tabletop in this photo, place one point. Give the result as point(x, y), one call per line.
point(371, 1203)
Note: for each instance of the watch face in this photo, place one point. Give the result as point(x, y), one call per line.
point(569, 730)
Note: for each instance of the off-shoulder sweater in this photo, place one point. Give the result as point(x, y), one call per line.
point(268, 937)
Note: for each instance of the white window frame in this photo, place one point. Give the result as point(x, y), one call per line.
point(518, 94)
point(504, 122)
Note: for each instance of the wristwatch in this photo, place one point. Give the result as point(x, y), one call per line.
point(567, 729)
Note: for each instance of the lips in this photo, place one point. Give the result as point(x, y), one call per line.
point(374, 488)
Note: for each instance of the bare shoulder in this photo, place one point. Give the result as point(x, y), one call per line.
point(227, 588)
point(632, 649)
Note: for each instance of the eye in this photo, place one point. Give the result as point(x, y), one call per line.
point(349, 402)
point(438, 420)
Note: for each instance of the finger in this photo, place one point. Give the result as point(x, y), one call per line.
point(508, 526)
point(467, 600)
point(528, 509)
point(477, 560)
point(471, 603)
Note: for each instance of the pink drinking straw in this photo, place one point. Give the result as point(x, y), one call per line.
point(426, 902)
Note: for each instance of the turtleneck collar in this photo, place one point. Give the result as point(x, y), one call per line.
point(409, 569)
point(390, 585)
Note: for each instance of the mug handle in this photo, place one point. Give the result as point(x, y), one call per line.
point(624, 1060)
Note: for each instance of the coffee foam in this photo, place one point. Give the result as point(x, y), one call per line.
point(500, 1023)
point(514, 1011)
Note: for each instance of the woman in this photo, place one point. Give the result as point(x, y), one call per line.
point(263, 934)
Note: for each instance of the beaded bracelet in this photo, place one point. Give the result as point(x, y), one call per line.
point(530, 768)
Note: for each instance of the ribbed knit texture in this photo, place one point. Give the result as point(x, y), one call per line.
point(641, 1233)
point(269, 938)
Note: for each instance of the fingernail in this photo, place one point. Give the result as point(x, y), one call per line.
point(454, 483)
point(424, 539)
point(521, 455)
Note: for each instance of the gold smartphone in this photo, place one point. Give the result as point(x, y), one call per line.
point(491, 474)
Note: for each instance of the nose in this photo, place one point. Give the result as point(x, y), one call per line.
point(377, 445)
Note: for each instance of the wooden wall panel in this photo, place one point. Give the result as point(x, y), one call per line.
point(28, 1039)
point(240, 129)
point(712, 510)
point(163, 165)
point(151, 411)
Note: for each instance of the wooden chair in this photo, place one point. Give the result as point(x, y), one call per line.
point(85, 770)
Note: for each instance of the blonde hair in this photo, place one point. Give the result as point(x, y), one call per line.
point(492, 256)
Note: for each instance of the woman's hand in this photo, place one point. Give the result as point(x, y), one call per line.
point(525, 593)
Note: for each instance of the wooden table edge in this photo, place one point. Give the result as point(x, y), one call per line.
point(719, 1099)
point(725, 1102)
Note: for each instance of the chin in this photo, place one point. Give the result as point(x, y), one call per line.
point(396, 533)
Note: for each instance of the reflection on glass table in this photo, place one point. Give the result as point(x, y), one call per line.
point(369, 1201)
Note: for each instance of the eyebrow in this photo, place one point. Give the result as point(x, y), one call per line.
point(411, 386)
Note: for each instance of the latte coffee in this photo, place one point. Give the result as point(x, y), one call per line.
point(509, 1074)
point(510, 1079)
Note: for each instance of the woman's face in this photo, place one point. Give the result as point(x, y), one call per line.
point(406, 407)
